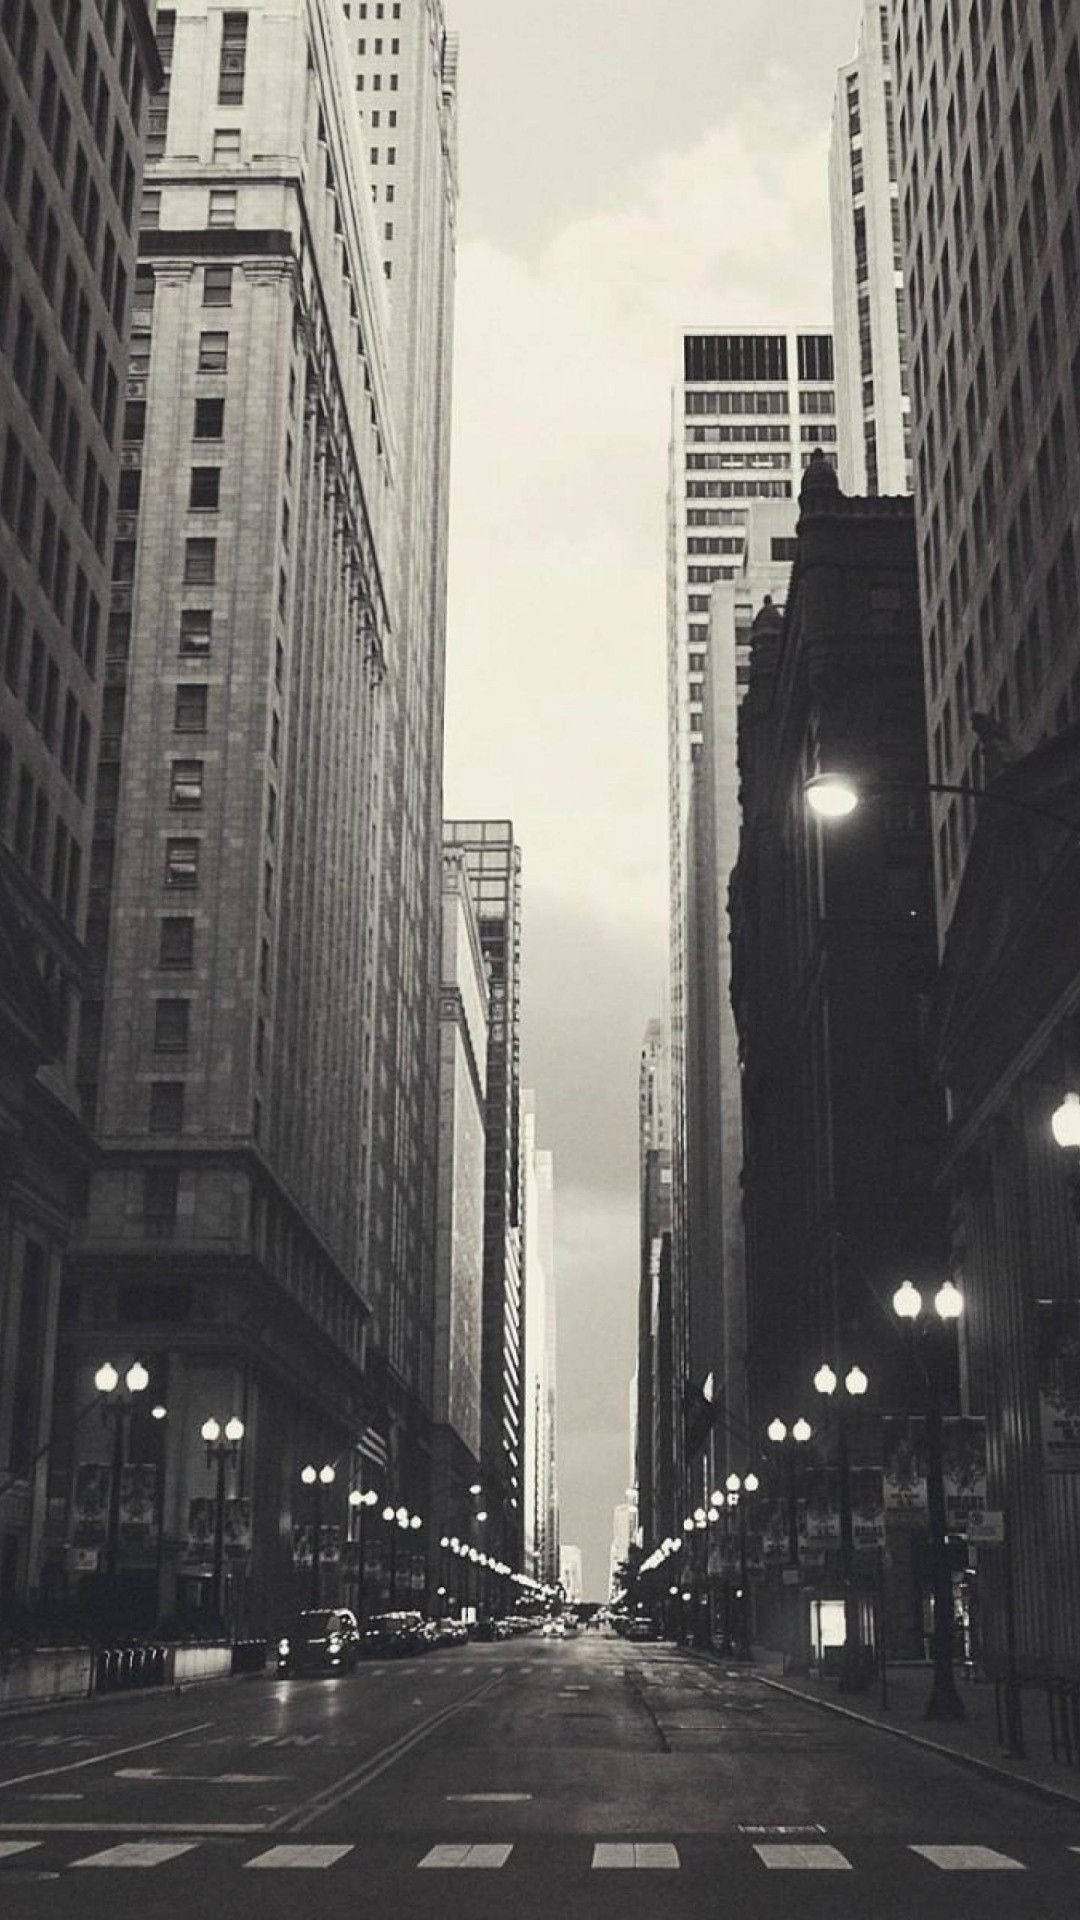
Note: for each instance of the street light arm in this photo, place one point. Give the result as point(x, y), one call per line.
point(976, 794)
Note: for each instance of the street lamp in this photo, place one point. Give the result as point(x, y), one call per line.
point(739, 1489)
point(800, 1433)
point(317, 1478)
point(118, 1410)
point(1065, 1121)
point(831, 797)
point(359, 1499)
point(944, 1702)
point(853, 1676)
point(220, 1448)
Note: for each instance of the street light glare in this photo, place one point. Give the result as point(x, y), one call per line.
point(825, 1379)
point(948, 1302)
point(856, 1382)
point(777, 1431)
point(831, 796)
point(1065, 1121)
point(801, 1431)
point(751, 1483)
point(136, 1379)
point(327, 1476)
point(106, 1379)
point(210, 1431)
point(158, 1412)
point(907, 1301)
point(309, 1476)
point(234, 1430)
point(733, 1483)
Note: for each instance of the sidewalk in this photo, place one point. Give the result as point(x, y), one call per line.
point(972, 1741)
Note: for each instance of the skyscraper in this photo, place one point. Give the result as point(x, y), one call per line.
point(539, 1318)
point(747, 410)
point(494, 865)
point(72, 111)
point(233, 882)
point(657, 1445)
point(869, 317)
point(405, 94)
point(459, 1266)
point(989, 131)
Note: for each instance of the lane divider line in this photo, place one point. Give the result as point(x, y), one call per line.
point(98, 1759)
point(351, 1783)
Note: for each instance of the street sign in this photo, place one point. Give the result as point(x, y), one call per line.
point(986, 1528)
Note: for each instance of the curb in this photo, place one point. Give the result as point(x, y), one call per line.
point(1023, 1781)
point(22, 1709)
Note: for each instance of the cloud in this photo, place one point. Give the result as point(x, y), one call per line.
point(556, 706)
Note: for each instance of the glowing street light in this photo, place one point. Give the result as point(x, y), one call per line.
point(831, 796)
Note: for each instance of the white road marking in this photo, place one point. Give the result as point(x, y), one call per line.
point(798, 1858)
point(138, 1853)
point(157, 1777)
point(488, 1799)
point(136, 1826)
point(635, 1853)
point(97, 1759)
point(299, 1856)
point(969, 1859)
point(10, 1847)
point(813, 1827)
point(476, 1855)
point(50, 1796)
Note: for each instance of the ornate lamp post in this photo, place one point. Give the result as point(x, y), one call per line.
point(220, 1449)
point(853, 1676)
point(739, 1492)
point(944, 1702)
point(359, 1499)
point(800, 1432)
point(317, 1478)
point(117, 1405)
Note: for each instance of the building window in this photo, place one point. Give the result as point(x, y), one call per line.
point(196, 632)
point(222, 208)
point(186, 784)
point(177, 943)
point(166, 1106)
point(217, 287)
point(181, 864)
point(160, 1192)
point(213, 352)
point(205, 487)
point(234, 28)
point(209, 419)
point(150, 210)
point(191, 707)
point(199, 562)
point(226, 145)
point(171, 1025)
point(128, 492)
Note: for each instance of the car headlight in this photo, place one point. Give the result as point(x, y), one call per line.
point(282, 1646)
point(333, 1645)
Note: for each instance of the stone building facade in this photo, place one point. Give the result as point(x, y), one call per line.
point(235, 871)
point(73, 92)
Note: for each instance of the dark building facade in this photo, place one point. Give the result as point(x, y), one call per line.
point(1007, 1034)
point(494, 865)
point(74, 84)
point(833, 962)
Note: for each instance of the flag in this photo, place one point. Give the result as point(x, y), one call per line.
point(372, 1447)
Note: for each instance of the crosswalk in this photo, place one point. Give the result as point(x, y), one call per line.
point(649, 1855)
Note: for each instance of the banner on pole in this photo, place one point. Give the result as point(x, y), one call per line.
point(138, 1511)
point(237, 1527)
point(200, 1543)
point(963, 1465)
point(867, 1507)
point(90, 1504)
point(904, 1466)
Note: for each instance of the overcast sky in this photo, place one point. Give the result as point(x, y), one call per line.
point(627, 167)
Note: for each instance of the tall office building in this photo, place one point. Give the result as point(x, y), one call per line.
point(989, 128)
point(234, 874)
point(747, 410)
point(494, 865)
point(869, 316)
point(405, 74)
point(657, 1443)
point(538, 1179)
point(989, 141)
point(459, 1265)
point(73, 98)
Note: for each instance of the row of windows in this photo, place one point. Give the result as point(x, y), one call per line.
point(716, 462)
point(29, 833)
point(31, 673)
point(738, 489)
point(21, 28)
point(19, 496)
point(777, 432)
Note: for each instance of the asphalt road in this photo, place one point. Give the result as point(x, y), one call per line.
point(533, 1778)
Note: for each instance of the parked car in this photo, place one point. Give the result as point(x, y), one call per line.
point(449, 1633)
point(396, 1634)
point(323, 1640)
point(641, 1627)
point(483, 1629)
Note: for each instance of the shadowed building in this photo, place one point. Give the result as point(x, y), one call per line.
point(75, 83)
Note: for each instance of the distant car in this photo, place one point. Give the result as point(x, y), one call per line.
point(641, 1628)
point(396, 1634)
point(554, 1630)
point(323, 1640)
point(448, 1633)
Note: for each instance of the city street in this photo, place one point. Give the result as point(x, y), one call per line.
point(582, 1777)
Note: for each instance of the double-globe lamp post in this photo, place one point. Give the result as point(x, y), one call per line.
point(398, 1520)
point(853, 1675)
point(908, 1304)
point(800, 1433)
point(117, 1406)
point(317, 1478)
point(358, 1500)
point(221, 1447)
